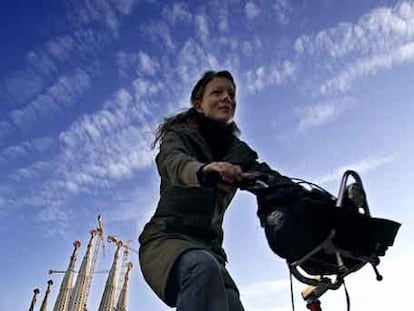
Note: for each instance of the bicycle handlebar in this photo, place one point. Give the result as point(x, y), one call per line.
point(252, 180)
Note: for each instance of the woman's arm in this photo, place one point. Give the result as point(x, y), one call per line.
point(175, 161)
point(177, 164)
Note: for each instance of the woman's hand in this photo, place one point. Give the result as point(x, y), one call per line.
point(229, 173)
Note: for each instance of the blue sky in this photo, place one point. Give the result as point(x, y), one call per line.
point(323, 86)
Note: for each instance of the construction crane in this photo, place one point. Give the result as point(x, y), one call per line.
point(36, 292)
point(123, 296)
point(123, 269)
point(113, 239)
point(124, 265)
point(98, 244)
point(43, 306)
point(100, 230)
point(62, 271)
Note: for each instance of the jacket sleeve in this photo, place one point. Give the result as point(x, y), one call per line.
point(175, 162)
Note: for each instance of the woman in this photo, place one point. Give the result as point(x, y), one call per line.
point(181, 253)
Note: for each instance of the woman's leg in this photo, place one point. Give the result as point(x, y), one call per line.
point(196, 283)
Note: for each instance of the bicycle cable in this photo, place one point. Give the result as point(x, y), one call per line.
point(292, 298)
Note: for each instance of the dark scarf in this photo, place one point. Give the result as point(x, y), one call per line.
point(217, 134)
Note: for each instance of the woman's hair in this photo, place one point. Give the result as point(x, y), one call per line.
point(188, 117)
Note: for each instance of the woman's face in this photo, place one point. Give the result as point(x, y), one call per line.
point(218, 101)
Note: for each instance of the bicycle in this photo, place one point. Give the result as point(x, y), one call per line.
point(334, 250)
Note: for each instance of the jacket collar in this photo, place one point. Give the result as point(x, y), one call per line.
point(238, 153)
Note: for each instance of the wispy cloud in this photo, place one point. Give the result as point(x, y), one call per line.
point(144, 89)
point(56, 215)
point(223, 20)
point(27, 148)
point(21, 85)
point(54, 101)
point(191, 60)
point(361, 166)
point(379, 40)
point(283, 10)
point(252, 10)
point(322, 113)
point(249, 47)
point(177, 13)
point(44, 64)
point(125, 7)
point(41, 93)
point(126, 63)
point(60, 47)
point(76, 47)
point(147, 64)
point(131, 65)
point(97, 151)
point(265, 76)
point(34, 172)
point(379, 31)
point(367, 67)
point(106, 12)
point(202, 27)
point(160, 34)
point(111, 143)
point(89, 44)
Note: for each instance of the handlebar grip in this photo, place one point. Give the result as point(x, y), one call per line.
point(252, 181)
point(208, 178)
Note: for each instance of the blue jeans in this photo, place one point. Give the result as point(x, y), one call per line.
point(196, 284)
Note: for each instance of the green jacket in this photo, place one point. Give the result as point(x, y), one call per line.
point(188, 216)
